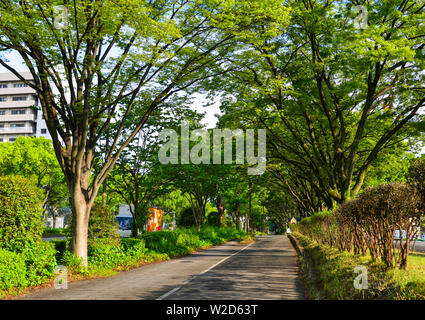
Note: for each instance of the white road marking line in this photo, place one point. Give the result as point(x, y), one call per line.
point(221, 261)
point(168, 293)
point(213, 266)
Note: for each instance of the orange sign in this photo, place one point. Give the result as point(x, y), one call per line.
point(155, 219)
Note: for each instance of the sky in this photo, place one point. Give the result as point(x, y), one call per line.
point(209, 119)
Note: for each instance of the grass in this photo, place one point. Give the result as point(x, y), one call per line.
point(329, 274)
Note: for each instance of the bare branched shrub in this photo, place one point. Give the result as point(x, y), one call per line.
point(368, 223)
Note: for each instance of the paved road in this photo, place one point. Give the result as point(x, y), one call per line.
point(266, 269)
point(418, 246)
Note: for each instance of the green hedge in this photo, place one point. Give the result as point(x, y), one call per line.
point(33, 265)
point(12, 270)
point(21, 217)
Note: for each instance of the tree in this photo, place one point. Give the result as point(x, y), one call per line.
point(21, 217)
point(34, 159)
point(334, 98)
point(138, 176)
point(112, 61)
point(198, 182)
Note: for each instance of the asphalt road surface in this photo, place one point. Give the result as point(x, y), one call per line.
point(265, 269)
point(418, 246)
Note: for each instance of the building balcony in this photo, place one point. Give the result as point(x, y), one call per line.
point(20, 130)
point(16, 104)
point(18, 117)
point(10, 90)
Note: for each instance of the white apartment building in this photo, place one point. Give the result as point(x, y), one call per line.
point(20, 112)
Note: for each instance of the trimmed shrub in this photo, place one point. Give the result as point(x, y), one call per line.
point(12, 270)
point(21, 216)
point(368, 223)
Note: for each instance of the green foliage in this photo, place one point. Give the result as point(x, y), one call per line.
point(186, 218)
point(56, 232)
point(34, 159)
point(105, 252)
point(72, 262)
point(186, 240)
point(40, 262)
point(102, 223)
point(32, 265)
point(133, 247)
point(368, 223)
point(213, 219)
point(21, 217)
point(12, 270)
point(61, 247)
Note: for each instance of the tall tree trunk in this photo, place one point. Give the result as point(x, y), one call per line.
point(238, 214)
point(134, 225)
point(220, 209)
point(80, 221)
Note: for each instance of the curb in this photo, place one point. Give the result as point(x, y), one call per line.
point(306, 269)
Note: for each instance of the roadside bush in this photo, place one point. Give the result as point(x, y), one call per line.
point(12, 270)
point(40, 262)
point(21, 217)
point(105, 253)
point(174, 243)
point(72, 262)
point(185, 240)
point(133, 247)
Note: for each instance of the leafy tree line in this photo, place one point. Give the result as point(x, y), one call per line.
point(338, 102)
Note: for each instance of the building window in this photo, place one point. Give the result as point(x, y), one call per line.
point(19, 98)
point(12, 139)
point(2, 99)
point(1, 139)
point(2, 113)
point(3, 86)
point(43, 131)
point(17, 125)
point(19, 85)
point(18, 112)
point(1, 126)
